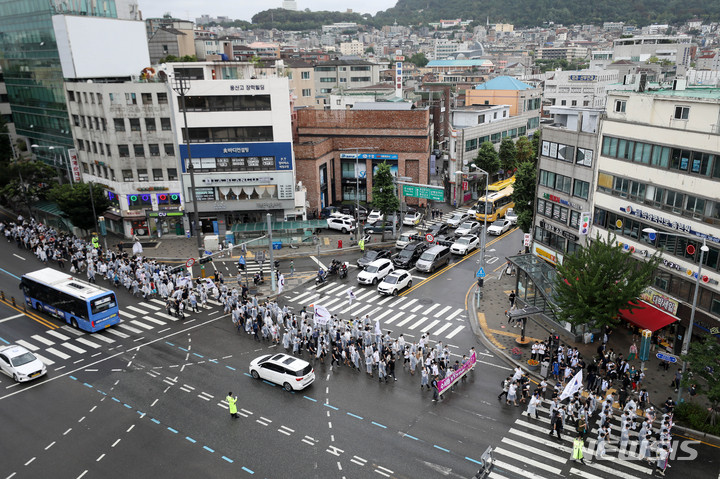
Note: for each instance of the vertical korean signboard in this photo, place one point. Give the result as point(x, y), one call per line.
point(74, 165)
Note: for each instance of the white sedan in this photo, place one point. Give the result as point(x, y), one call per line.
point(373, 217)
point(376, 271)
point(412, 218)
point(499, 227)
point(465, 244)
point(394, 282)
point(20, 364)
point(511, 216)
point(457, 218)
point(468, 228)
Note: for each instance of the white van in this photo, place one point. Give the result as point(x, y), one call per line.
point(404, 239)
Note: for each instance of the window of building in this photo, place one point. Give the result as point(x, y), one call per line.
point(146, 98)
point(142, 174)
point(304, 75)
point(563, 183)
point(172, 174)
point(85, 168)
point(71, 95)
point(158, 174)
point(228, 103)
point(83, 122)
point(154, 149)
point(563, 102)
point(94, 147)
point(103, 124)
point(327, 79)
point(139, 150)
point(306, 92)
point(92, 98)
point(134, 124)
point(169, 149)
point(471, 145)
point(165, 199)
point(138, 202)
point(680, 159)
point(495, 137)
point(637, 191)
point(574, 219)
point(359, 79)
point(695, 205)
point(99, 98)
point(682, 112)
point(620, 106)
point(101, 147)
point(76, 120)
point(674, 200)
point(130, 99)
point(128, 175)
point(165, 124)
point(123, 151)
point(620, 186)
point(230, 134)
point(119, 124)
point(581, 189)
point(162, 98)
point(573, 103)
point(584, 157)
point(150, 124)
point(85, 98)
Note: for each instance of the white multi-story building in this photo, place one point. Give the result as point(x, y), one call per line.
point(581, 88)
point(676, 49)
point(240, 143)
point(125, 143)
point(659, 168)
point(352, 48)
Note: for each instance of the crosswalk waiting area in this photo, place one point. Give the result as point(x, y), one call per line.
point(528, 451)
point(394, 312)
point(66, 342)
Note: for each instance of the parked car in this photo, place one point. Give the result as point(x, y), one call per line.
point(375, 271)
point(343, 223)
point(499, 227)
point(20, 364)
point(376, 228)
point(290, 372)
point(465, 244)
point(410, 254)
point(511, 216)
point(395, 282)
point(458, 218)
point(374, 217)
point(469, 228)
point(412, 218)
point(371, 255)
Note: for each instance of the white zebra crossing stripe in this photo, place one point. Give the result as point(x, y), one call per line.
point(539, 452)
point(72, 330)
point(408, 303)
point(87, 342)
point(369, 293)
point(72, 347)
point(43, 340)
point(151, 306)
point(441, 330)
point(129, 328)
point(46, 361)
point(383, 301)
point(328, 304)
point(389, 321)
point(102, 337)
point(584, 474)
point(421, 321)
point(117, 333)
point(417, 308)
point(153, 320)
point(358, 311)
point(382, 315)
point(443, 311)
point(429, 310)
point(504, 467)
point(166, 316)
point(157, 301)
point(135, 322)
point(27, 345)
point(455, 331)
point(458, 311)
point(58, 335)
point(406, 320)
point(125, 314)
point(57, 353)
point(137, 310)
point(527, 461)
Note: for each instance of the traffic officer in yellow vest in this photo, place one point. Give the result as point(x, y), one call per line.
point(95, 241)
point(361, 244)
point(232, 404)
point(577, 453)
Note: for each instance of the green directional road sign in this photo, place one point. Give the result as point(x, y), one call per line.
point(429, 193)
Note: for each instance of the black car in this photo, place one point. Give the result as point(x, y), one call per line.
point(410, 254)
point(371, 255)
point(377, 228)
point(438, 229)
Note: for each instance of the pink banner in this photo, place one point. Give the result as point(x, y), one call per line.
point(453, 377)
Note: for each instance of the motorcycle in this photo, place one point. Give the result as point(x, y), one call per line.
point(334, 267)
point(321, 278)
point(258, 279)
point(343, 271)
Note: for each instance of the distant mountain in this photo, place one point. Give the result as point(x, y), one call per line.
point(528, 13)
point(302, 20)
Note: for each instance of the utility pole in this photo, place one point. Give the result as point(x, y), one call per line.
point(272, 258)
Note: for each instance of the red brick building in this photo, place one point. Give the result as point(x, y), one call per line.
point(327, 167)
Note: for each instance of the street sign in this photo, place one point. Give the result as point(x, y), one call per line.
point(480, 273)
point(667, 357)
point(426, 192)
point(527, 239)
point(464, 185)
point(429, 238)
point(190, 262)
point(208, 253)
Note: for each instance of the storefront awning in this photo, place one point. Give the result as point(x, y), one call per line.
point(647, 316)
point(278, 226)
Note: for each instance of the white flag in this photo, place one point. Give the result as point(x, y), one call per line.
point(137, 248)
point(573, 386)
point(281, 283)
point(322, 315)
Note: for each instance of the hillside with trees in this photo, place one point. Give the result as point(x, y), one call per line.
point(302, 20)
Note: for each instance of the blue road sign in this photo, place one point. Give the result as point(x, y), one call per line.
point(208, 253)
point(480, 273)
point(241, 260)
point(667, 357)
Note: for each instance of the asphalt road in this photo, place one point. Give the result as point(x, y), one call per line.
point(151, 400)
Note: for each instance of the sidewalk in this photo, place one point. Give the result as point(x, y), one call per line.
point(492, 325)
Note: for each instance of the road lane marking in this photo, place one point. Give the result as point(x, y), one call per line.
point(87, 342)
point(455, 331)
point(142, 325)
point(27, 345)
point(406, 320)
point(117, 333)
point(389, 321)
point(419, 322)
point(72, 347)
point(18, 256)
point(408, 303)
point(57, 353)
point(11, 317)
point(129, 328)
point(58, 335)
point(43, 340)
point(442, 328)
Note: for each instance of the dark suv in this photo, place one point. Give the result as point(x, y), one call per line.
point(407, 257)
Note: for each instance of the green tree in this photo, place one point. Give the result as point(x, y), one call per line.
point(24, 182)
point(384, 198)
point(704, 359)
point(524, 194)
point(595, 282)
point(523, 150)
point(419, 60)
point(507, 155)
point(536, 144)
point(487, 158)
point(6, 150)
point(74, 201)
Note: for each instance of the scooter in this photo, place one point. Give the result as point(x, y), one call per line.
point(343, 271)
point(321, 278)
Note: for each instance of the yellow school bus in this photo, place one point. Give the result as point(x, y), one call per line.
point(496, 205)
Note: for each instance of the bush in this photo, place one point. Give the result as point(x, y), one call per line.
point(695, 416)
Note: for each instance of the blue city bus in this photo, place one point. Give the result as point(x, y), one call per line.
point(81, 304)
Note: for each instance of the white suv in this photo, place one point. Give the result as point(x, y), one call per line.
point(290, 372)
point(375, 271)
point(341, 223)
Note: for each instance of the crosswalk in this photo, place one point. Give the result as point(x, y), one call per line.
point(67, 343)
point(402, 314)
point(527, 450)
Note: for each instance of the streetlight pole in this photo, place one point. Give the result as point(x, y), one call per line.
point(181, 86)
point(485, 213)
point(688, 334)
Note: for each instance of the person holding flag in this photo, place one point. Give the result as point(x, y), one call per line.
point(572, 387)
point(351, 296)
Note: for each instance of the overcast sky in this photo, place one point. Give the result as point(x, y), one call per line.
point(245, 9)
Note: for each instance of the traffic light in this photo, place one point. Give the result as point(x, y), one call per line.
point(444, 242)
point(416, 238)
point(480, 282)
point(241, 266)
point(204, 260)
point(176, 269)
